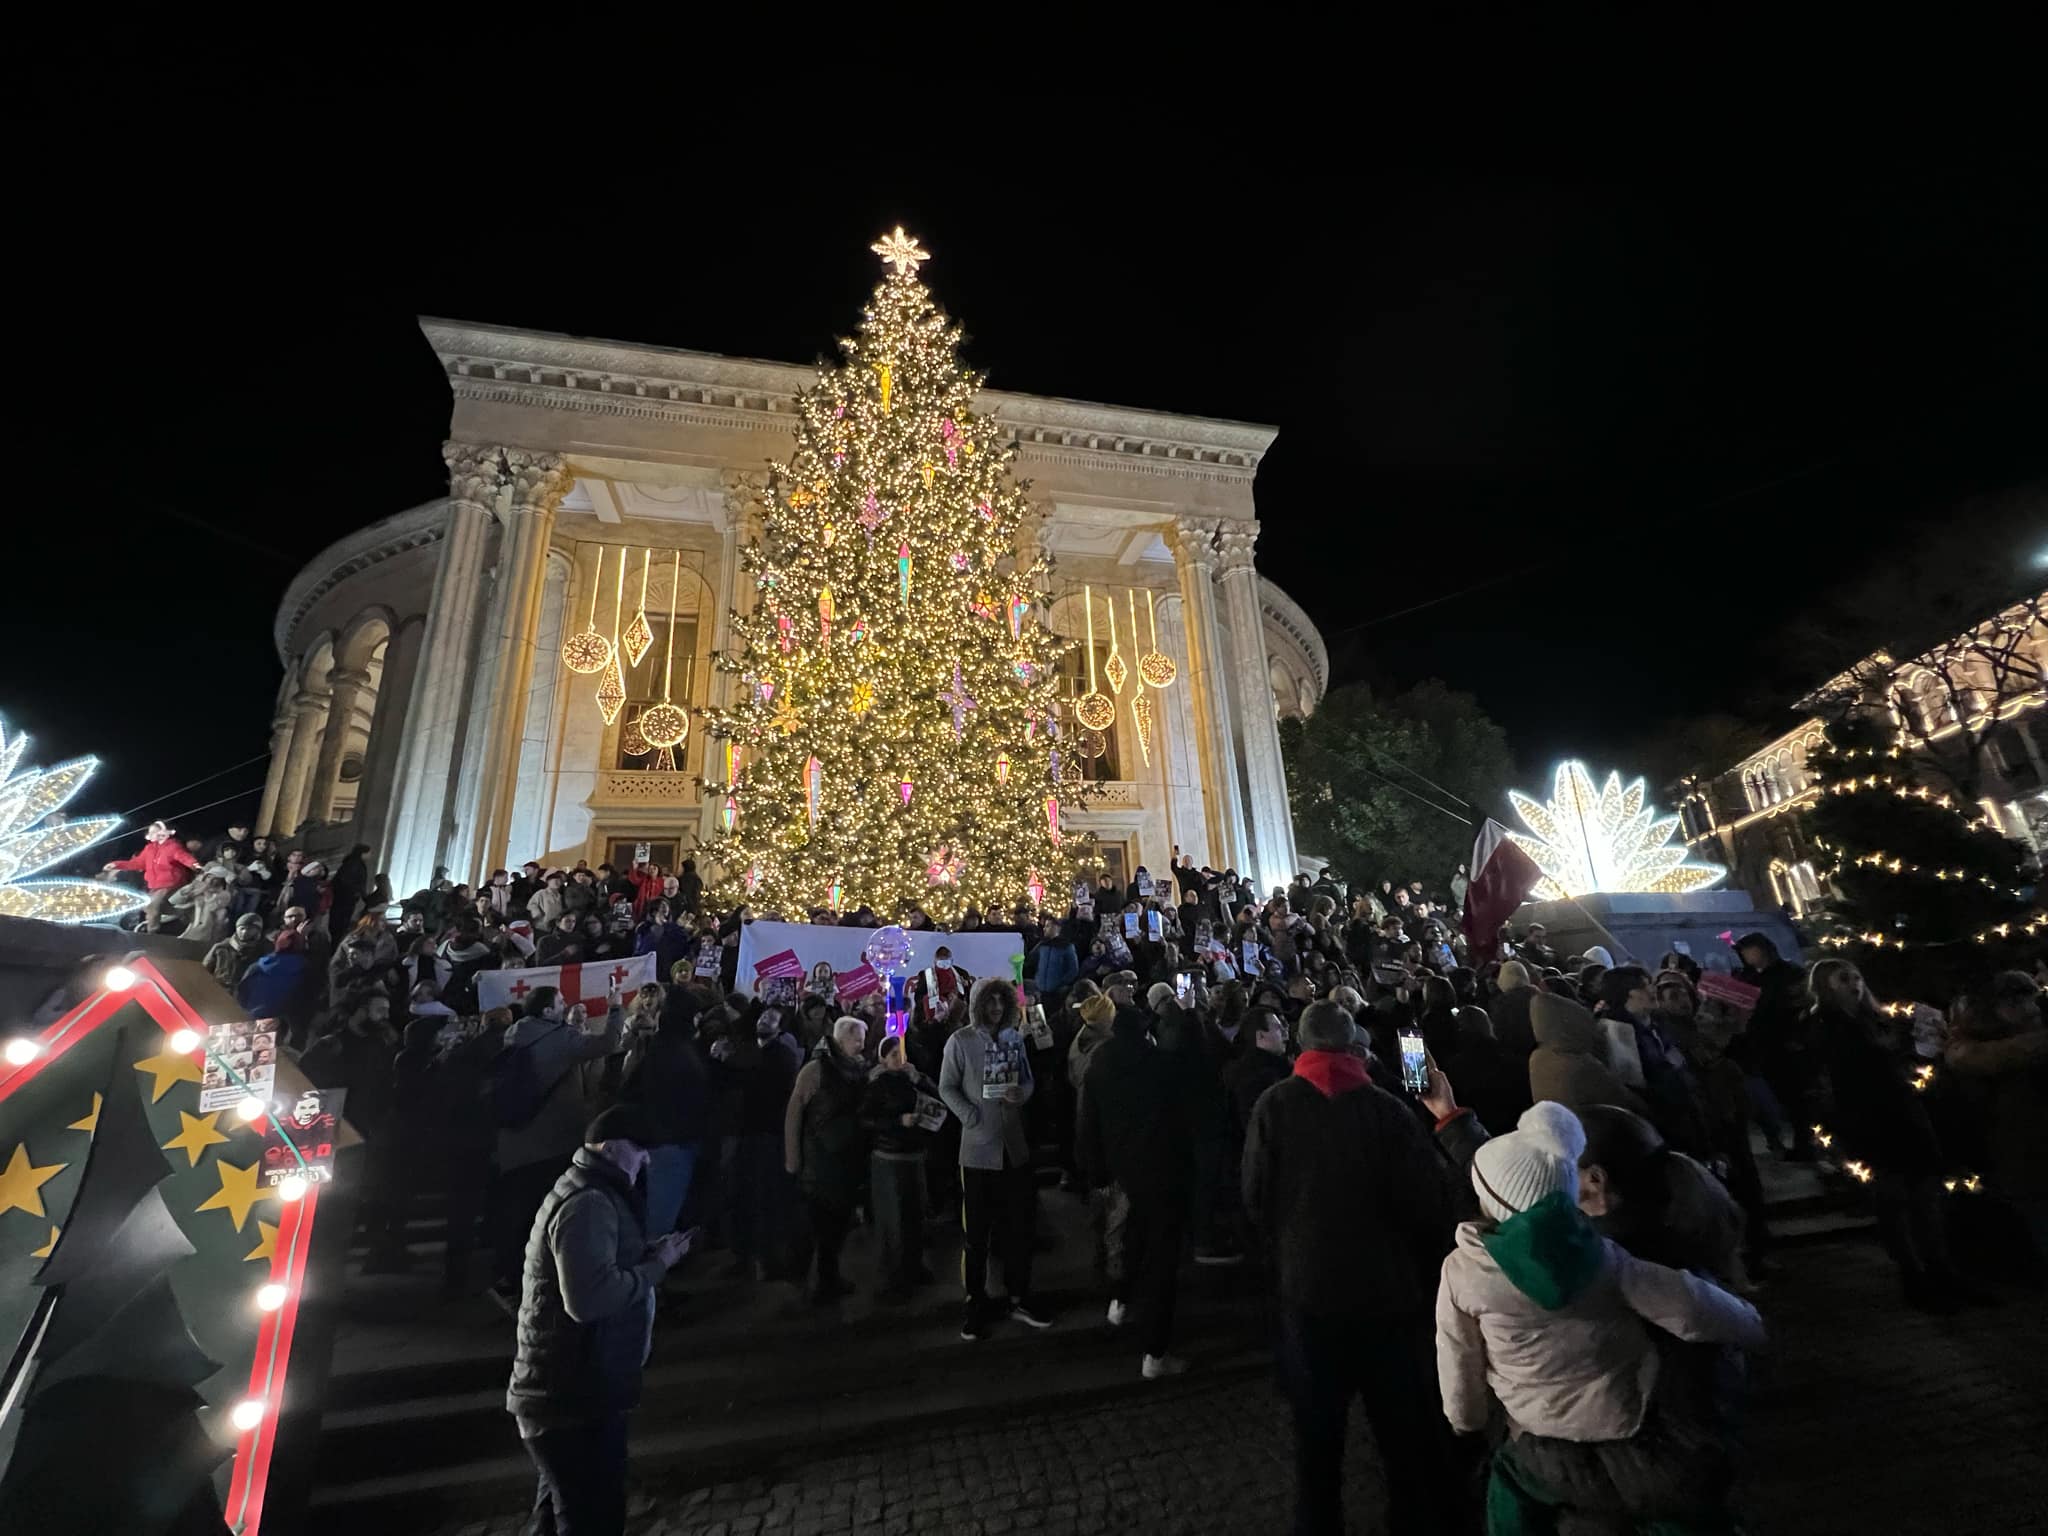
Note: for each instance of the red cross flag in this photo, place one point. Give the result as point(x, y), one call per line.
point(584, 984)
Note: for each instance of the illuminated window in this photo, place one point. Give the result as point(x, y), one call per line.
point(643, 688)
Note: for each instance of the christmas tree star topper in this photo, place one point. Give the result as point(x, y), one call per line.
point(900, 251)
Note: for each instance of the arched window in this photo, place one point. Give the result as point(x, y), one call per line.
point(1930, 701)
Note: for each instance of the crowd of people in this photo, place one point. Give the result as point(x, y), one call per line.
point(1509, 1197)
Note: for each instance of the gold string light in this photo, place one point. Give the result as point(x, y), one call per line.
point(1094, 709)
point(639, 634)
point(588, 651)
point(1155, 666)
point(663, 724)
point(611, 690)
point(1114, 669)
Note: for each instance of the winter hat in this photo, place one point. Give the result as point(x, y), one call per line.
point(1596, 954)
point(1513, 974)
point(158, 832)
point(623, 1122)
point(1158, 995)
point(1097, 1010)
point(1538, 1158)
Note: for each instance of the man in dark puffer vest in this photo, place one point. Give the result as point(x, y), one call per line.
point(586, 1319)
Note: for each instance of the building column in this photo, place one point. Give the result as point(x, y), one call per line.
point(280, 749)
point(433, 724)
point(310, 717)
point(1270, 818)
point(740, 524)
point(1187, 824)
point(1208, 686)
point(387, 733)
point(533, 804)
point(538, 482)
point(345, 691)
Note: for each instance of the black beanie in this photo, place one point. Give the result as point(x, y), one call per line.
point(623, 1122)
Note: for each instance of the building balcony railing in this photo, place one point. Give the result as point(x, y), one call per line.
point(641, 786)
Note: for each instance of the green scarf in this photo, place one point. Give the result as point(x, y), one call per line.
point(1550, 1252)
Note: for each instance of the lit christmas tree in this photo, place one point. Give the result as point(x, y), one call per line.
point(1931, 896)
point(895, 732)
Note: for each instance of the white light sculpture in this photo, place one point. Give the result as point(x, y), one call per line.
point(1607, 839)
point(33, 837)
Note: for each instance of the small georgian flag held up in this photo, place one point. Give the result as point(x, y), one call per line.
point(585, 984)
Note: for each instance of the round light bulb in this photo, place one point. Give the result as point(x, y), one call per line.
point(21, 1050)
point(184, 1041)
point(270, 1297)
point(246, 1414)
point(118, 978)
point(252, 1108)
point(291, 1187)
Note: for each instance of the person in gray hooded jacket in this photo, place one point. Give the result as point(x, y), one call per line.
point(985, 1080)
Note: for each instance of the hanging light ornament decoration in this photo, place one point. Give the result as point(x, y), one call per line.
point(1094, 709)
point(1155, 666)
point(1114, 668)
point(611, 690)
point(639, 633)
point(587, 651)
point(664, 724)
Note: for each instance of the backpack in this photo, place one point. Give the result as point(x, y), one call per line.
point(515, 1089)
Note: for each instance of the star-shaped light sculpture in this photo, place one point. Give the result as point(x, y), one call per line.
point(900, 251)
point(961, 701)
point(1589, 840)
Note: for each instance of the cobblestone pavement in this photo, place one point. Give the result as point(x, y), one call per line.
point(1867, 1418)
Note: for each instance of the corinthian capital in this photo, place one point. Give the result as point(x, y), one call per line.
point(744, 494)
point(1193, 541)
point(475, 473)
point(539, 480)
point(1234, 543)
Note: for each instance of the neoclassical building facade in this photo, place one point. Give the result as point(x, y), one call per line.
point(425, 709)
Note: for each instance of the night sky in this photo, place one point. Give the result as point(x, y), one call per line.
point(1601, 431)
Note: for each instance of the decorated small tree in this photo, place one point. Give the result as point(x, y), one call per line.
point(894, 733)
point(1930, 894)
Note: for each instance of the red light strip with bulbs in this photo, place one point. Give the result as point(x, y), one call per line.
point(250, 1475)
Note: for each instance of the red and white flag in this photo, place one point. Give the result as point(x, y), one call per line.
point(1502, 878)
point(585, 984)
point(784, 964)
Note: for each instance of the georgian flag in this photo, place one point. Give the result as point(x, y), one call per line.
point(584, 984)
point(1502, 878)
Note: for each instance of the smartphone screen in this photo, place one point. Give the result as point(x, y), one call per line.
point(1414, 1062)
point(1183, 984)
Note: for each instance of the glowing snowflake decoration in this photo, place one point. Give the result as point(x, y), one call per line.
point(1589, 840)
point(33, 837)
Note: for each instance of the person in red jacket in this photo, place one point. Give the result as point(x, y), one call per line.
point(648, 882)
point(165, 866)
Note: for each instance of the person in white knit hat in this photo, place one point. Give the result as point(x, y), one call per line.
point(1556, 1321)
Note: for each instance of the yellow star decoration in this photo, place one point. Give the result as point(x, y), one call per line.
point(195, 1134)
point(238, 1191)
point(786, 718)
point(91, 1122)
point(267, 1247)
point(863, 699)
point(48, 1248)
point(167, 1067)
point(21, 1183)
point(900, 251)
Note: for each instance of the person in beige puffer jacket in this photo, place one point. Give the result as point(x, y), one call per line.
point(1571, 1064)
point(1536, 1309)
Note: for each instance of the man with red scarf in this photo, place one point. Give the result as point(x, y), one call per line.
point(1355, 1206)
point(940, 990)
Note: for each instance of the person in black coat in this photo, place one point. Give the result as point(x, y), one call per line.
point(897, 1142)
point(1357, 1208)
point(1258, 1068)
point(666, 1077)
point(1489, 1081)
point(1133, 1133)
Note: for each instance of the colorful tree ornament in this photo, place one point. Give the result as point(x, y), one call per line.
point(814, 788)
point(904, 788)
point(950, 434)
point(888, 381)
point(1094, 709)
point(903, 571)
point(958, 560)
point(960, 700)
point(1052, 818)
point(863, 698)
point(729, 813)
point(1020, 610)
point(587, 651)
point(1002, 767)
point(870, 513)
point(825, 618)
point(785, 631)
point(1035, 888)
